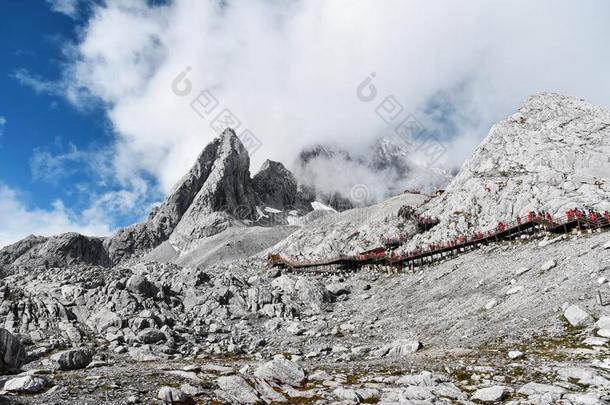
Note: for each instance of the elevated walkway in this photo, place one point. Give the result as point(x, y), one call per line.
point(439, 251)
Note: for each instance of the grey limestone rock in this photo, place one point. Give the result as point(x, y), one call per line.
point(12, 352)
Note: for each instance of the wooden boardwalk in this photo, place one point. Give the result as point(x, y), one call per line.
point(438, 251)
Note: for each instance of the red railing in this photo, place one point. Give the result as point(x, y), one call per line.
point(562, 224)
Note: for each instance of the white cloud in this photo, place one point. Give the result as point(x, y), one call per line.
point(53, 167)
point(17, 220)
point(289, 70)
point(2, 124)
point(67, 7)
point(105, 202)
point(38, 84)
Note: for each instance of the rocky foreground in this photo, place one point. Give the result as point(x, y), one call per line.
point(516, 321)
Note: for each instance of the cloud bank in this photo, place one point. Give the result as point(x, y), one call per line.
point(289, 71)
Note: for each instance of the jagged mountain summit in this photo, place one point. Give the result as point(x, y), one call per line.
point(204, 202)
point(215, 194)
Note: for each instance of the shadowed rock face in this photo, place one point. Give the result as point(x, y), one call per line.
point(10, 253)
point(57, 251)
point(227, 189)
point(275, 185)
point(12, 352)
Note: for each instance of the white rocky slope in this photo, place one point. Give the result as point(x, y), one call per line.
point(552, 154)
point(351, 232)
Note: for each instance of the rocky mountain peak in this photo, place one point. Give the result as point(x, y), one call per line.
point(203, 202)
point(214, 194)
point(551, 155)
point(226, 192)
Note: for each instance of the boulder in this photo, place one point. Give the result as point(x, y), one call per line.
point(172, 395)
point(595, 341)
point(515, 354)
point(490, 394)
point(491, 303)
point(269, 394)
point(403, 347)
point(548, 265)
point(284, 283)
point(282, 371)
point(140, 285)
point(313, 293)
point(338, 289)
point(605, 333)
point(29, 384)
point(347, 394)
point(73, 359)
point(12, 352)
point(603, 322)
point(295, 328)
point(368, 395)
point(105, 319)
point(143, 354)
point(532, 388)
point(236, 390)
point(191, 390)
point(583, 377)
point(577, 317)
point(151, 336)
point(425, 378)
point(514, 290)
point(584, 398)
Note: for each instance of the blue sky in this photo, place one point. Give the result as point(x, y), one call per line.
point(48, 143)
point(93, 135)
point(32, 38)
